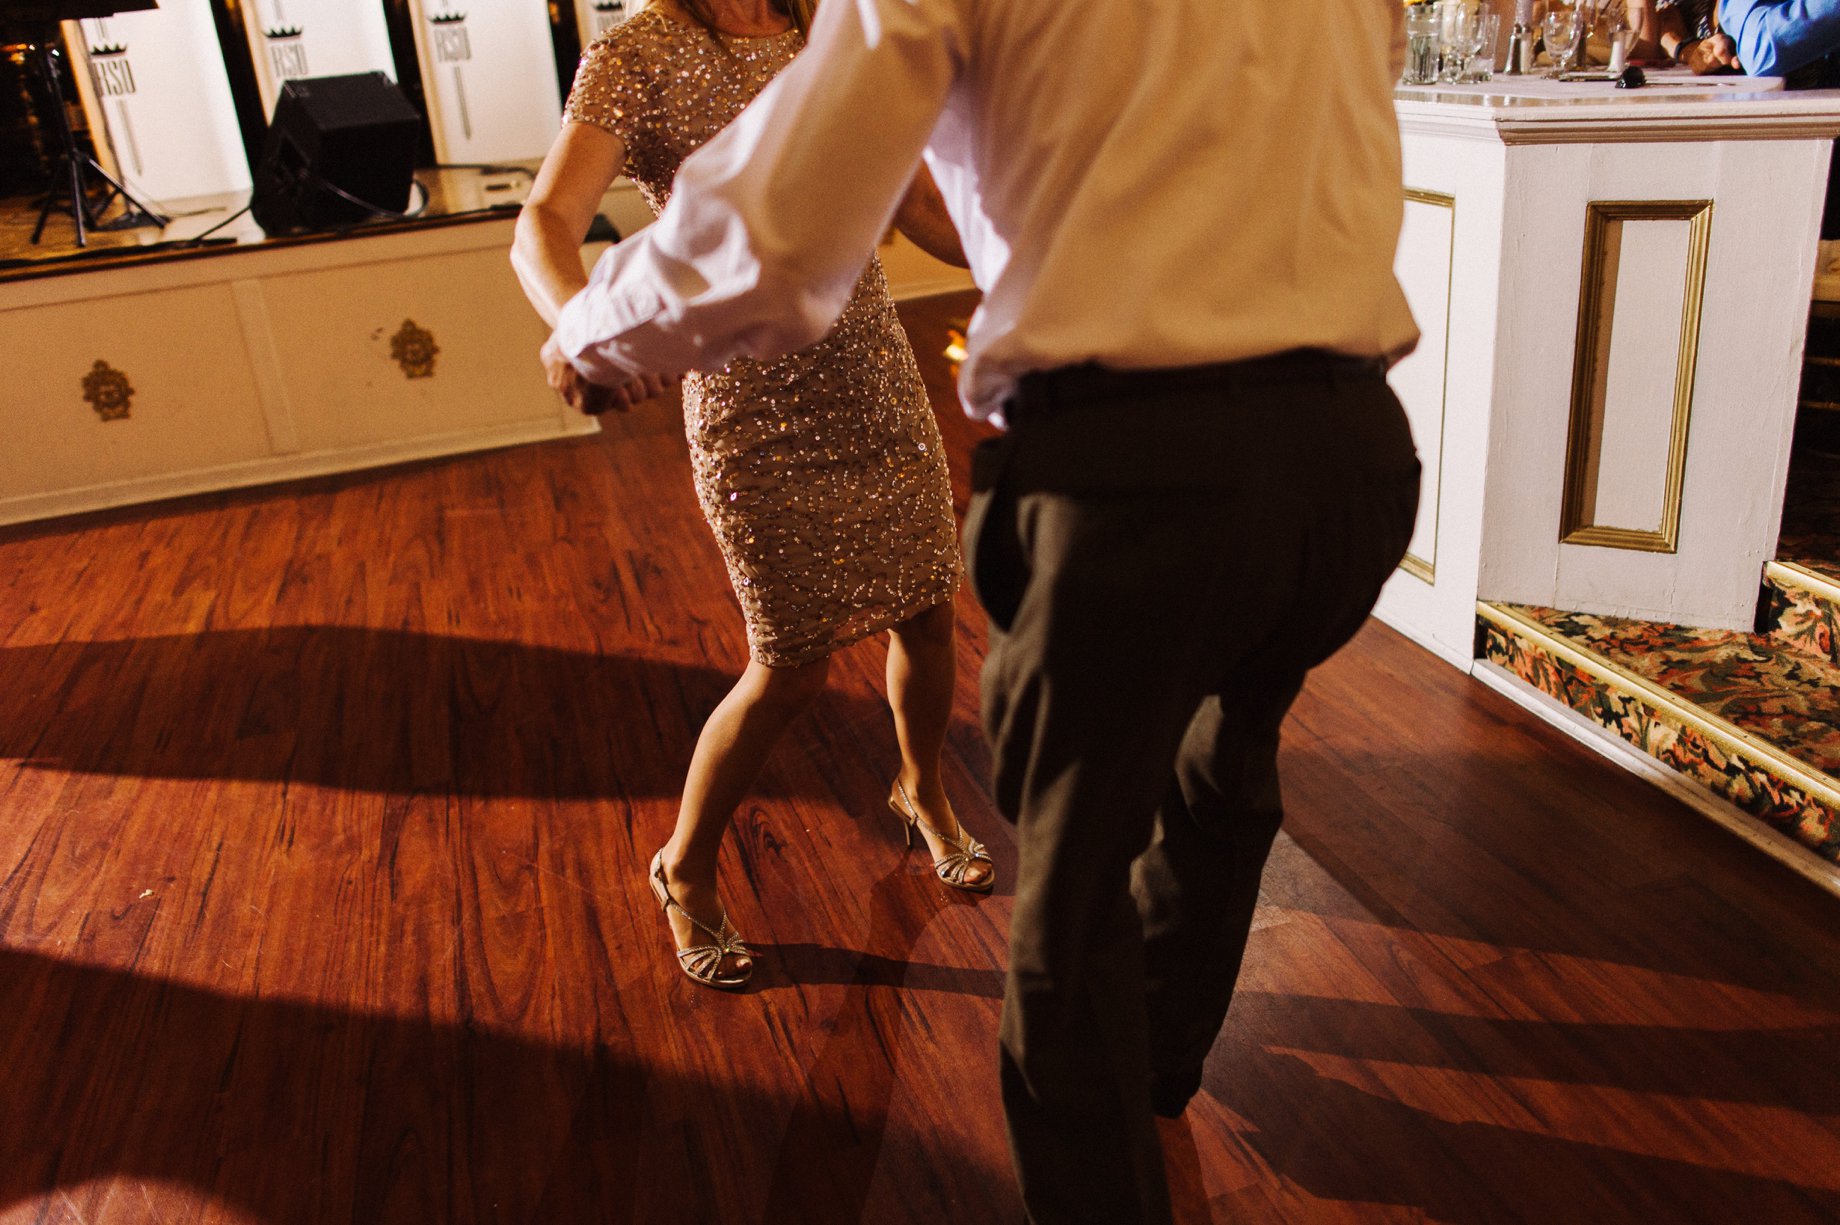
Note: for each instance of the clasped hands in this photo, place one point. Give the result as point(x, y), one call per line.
point(589, 397)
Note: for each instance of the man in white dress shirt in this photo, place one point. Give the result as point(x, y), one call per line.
point(1182, 215)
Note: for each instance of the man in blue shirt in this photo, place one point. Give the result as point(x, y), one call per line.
point(1776, 37)
point(1795, 39)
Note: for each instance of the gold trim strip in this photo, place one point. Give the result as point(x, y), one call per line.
point(1621, 131)
point(1821, 786)
point(1633, 539)
point(1425, 570)
point(1426, 196)
point(1801, 578)
point(1603, 237)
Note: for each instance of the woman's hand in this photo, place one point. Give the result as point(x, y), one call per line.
point(547, 256)
point(579, 393)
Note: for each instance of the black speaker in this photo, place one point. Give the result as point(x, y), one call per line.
point(339, 150)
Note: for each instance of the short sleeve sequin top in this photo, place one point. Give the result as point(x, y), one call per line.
point(821, 473)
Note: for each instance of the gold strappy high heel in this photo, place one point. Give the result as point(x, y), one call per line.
point(702, 962)
point(954, 864)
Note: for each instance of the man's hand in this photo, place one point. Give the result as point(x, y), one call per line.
point(591, 398)
point(1707, 55)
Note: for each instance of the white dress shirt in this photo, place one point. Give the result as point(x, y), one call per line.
point(1138, 183)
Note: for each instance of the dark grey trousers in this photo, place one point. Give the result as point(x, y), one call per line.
point(1162, 559)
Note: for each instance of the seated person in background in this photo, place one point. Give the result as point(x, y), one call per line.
point(1683, 32)
point(1785, 38)
point(1799, 40)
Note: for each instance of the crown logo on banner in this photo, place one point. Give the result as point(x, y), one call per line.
point(107, 51)
point(282, 32)
point(447, 19)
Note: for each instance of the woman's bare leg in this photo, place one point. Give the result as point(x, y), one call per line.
point(922, 672)
point(730, 751)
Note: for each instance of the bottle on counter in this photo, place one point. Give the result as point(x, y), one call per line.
point(1620, 37)
point(1521, 40)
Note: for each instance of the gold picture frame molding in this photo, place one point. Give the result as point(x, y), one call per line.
point(1420, 568)
point(1603, 235)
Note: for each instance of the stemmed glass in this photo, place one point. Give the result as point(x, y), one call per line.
point(1560, 30)
point(1479, 60)
point(1456, 30)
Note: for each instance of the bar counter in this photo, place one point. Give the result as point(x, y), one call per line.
point(1613, 287)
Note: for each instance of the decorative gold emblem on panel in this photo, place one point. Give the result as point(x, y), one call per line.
point(108, 391)
point(413, 348)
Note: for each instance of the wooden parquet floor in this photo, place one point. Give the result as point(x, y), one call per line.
point(323, 817)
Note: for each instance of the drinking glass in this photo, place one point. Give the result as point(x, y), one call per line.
point(1481, 57)
point(1456, 29)
point(1619, 36)
point(1559, 29)
point(1421, 45)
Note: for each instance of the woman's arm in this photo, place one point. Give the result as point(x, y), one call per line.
point(1646, 27)
point(923, 218)
point(1670, 31)
point(546, 251)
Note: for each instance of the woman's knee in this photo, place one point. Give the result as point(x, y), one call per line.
point(791, 688)
point(934, 626)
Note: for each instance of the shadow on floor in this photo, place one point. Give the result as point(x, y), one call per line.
point(295, 1113)
point(367, 710)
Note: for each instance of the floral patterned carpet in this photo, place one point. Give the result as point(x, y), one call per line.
point(1762, 685)
point(1758, 684)
point(1803, 619)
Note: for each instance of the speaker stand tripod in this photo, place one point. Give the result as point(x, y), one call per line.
point(73, 170)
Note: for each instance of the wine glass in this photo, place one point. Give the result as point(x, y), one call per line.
point(1559, 29)
point(1480, 60)
point(1457, 28)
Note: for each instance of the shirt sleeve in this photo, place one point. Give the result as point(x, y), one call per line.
point(1778, 36)
point(771, 223)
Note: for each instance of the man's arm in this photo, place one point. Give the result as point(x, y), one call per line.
point(771, 223)
point(1774, 37)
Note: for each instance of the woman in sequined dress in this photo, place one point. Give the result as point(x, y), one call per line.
point(822, 473)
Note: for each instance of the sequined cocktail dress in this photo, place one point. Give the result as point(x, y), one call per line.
point(822, 473)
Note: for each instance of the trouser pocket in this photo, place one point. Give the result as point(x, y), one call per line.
point(993, 546)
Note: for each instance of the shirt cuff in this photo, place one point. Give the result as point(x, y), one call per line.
point(592, 325)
